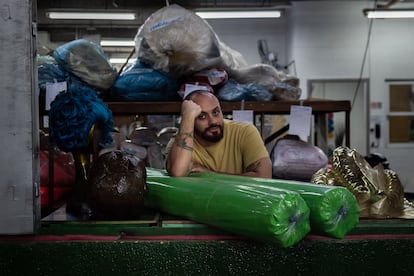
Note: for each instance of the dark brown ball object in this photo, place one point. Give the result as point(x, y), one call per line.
point(117, 183)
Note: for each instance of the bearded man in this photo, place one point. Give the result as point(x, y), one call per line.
point(208, 142)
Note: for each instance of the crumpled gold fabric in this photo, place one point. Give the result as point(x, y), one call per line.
point(378, 191)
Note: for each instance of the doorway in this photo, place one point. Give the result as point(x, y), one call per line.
point(356, 91)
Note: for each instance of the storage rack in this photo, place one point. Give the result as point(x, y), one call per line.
point(320, 107)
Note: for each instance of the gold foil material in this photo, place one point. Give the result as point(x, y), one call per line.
point(378, 191)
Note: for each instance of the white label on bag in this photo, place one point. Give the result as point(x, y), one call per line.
point(300, 121)
point(52, 90)
point(243, 116)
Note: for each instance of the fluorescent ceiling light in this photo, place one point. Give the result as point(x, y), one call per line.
point(117, 43)
point(239, 14)
point(121, 60)
point(92, 15)
point(389, 13)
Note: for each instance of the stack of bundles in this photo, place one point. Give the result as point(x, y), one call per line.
point(334, 210)
point(274, 215)
point(162, 44)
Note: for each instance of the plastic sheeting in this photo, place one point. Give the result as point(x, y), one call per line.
point(116, 185)
point(233, 91)
point(142, 83)
point(334, 211)
point(87, 61)
point(179, 43)
point(176, 41)
point(49, 72)
point(281, 85)
point(278, 216)
point(295, 159)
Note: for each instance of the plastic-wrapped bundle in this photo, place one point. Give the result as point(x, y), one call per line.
point(49, 73)
point(87, 61)
point(142, 83)
point(233, 91)
point(45, 59)
point(176, 41)
point(334, 211)
point(278, 215)
point(116, 185)
point(295, 159)
point(282, 86)
point(215, 77)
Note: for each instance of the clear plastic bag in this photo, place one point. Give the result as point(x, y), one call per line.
point(87, 61)
point(176, 41)
point(295, 159)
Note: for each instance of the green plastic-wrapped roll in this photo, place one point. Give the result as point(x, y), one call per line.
point(279, 216)
point(334, 210)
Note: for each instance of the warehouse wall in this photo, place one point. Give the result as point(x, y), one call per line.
point(391, 58)
point(243, 35)
point(328, 41)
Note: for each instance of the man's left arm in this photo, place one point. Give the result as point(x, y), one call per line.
point(257, 157)
point(260, 168)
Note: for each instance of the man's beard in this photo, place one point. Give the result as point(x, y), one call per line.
point(210, 138)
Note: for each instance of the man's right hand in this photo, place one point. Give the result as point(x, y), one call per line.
point(190, 109)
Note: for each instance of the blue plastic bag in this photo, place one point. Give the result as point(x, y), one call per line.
point(233, 91)
point(142, 83)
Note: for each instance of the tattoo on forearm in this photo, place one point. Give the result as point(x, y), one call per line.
point(185, 135)
point(180, 140)
point(253, 167)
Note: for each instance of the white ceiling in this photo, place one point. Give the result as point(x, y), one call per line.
point(65, 30)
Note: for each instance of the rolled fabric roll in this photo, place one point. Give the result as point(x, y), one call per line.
point(334, 210)
point(274, 215)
